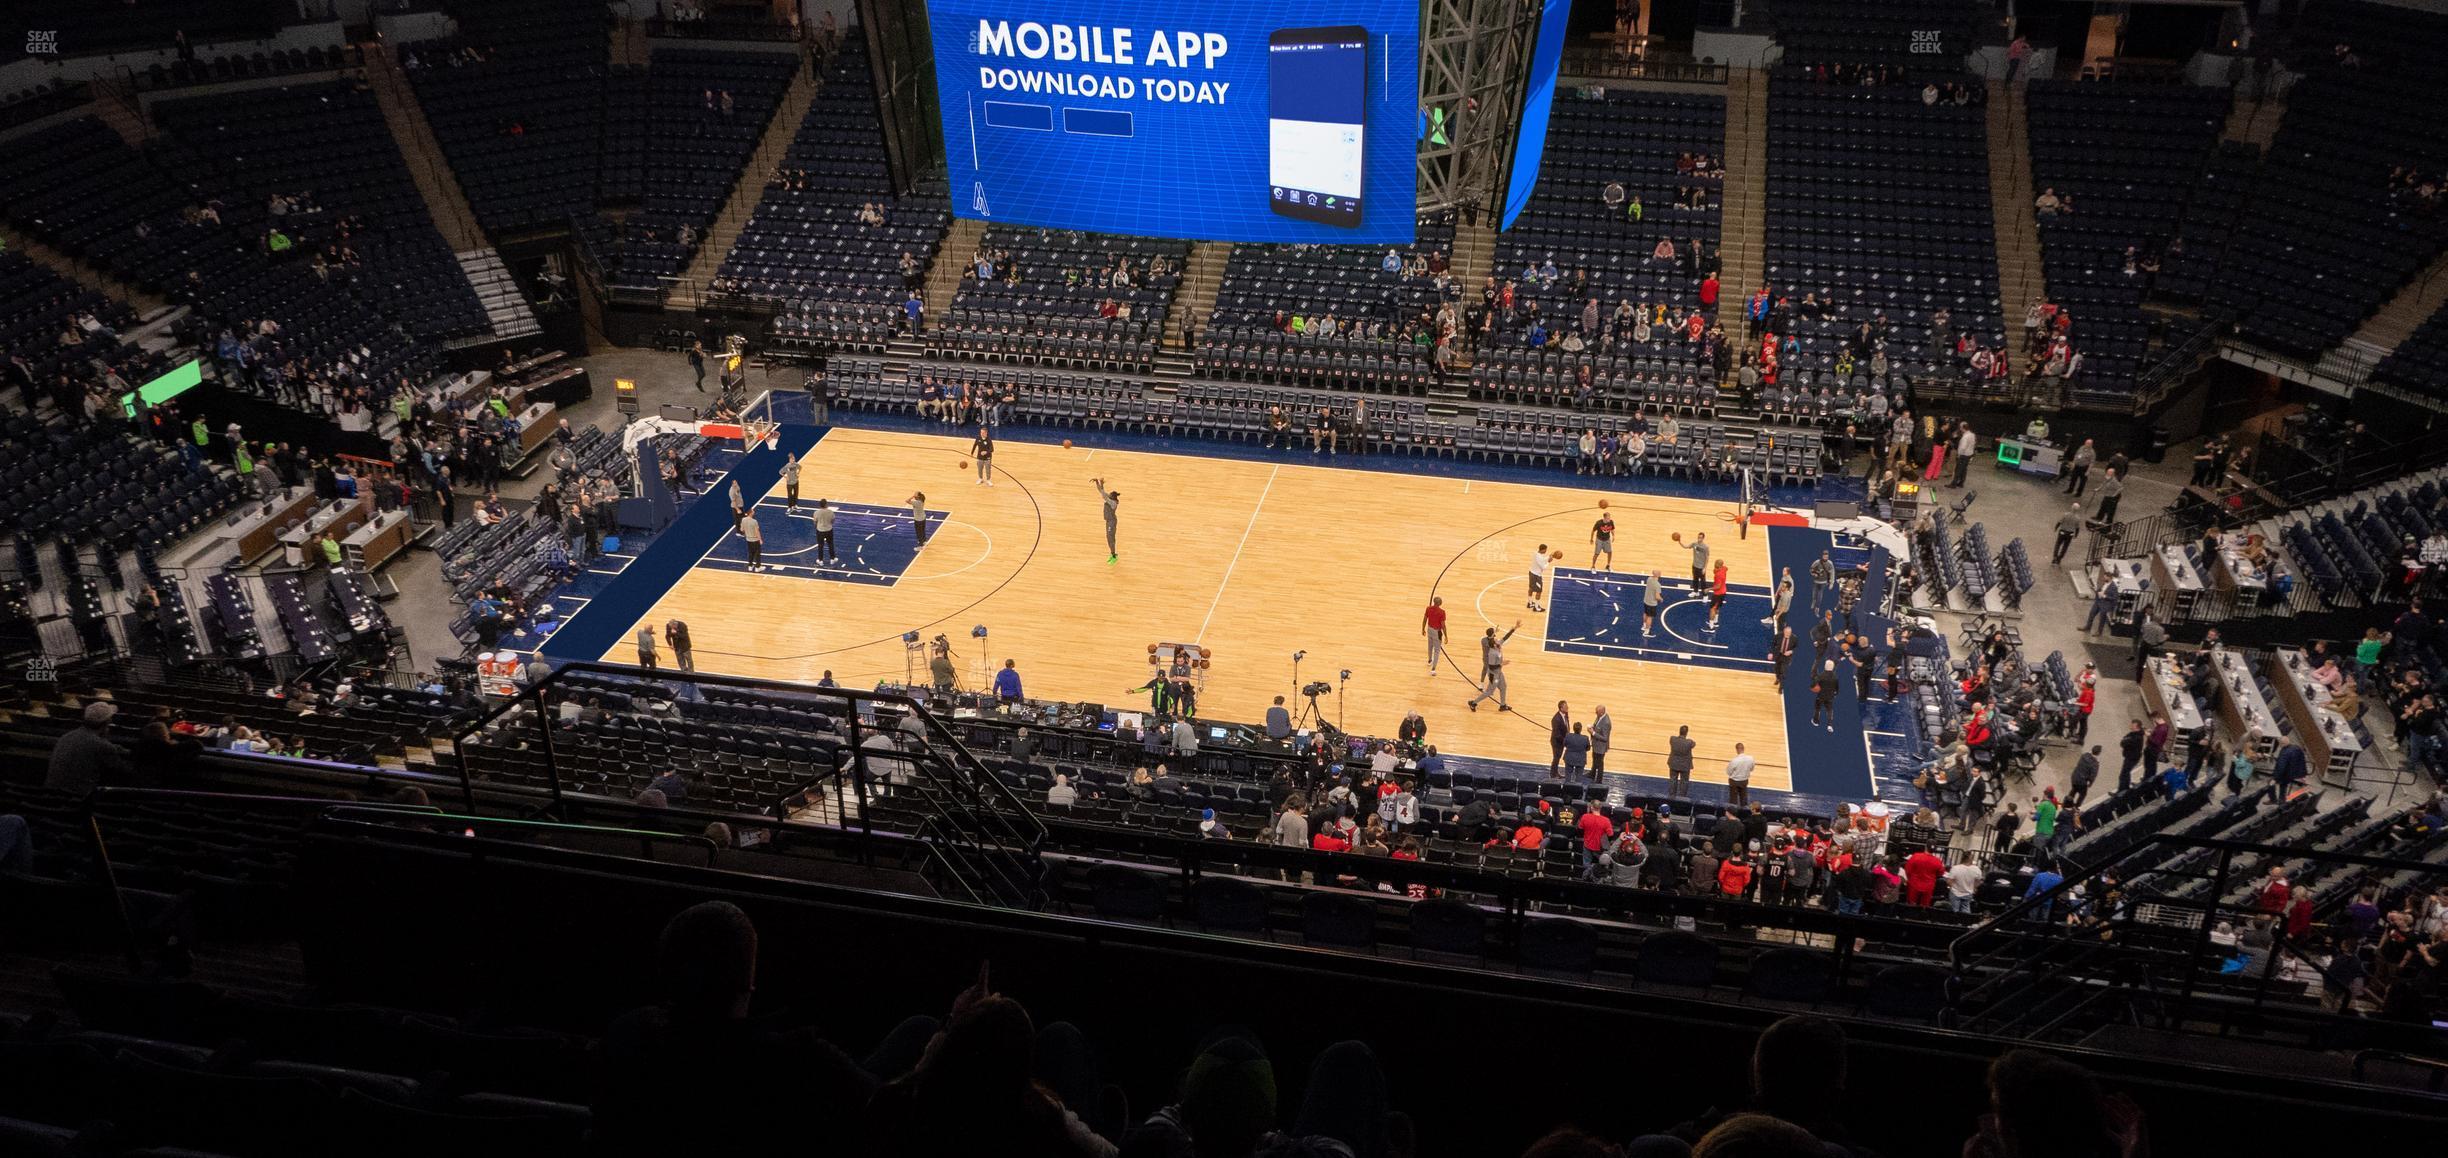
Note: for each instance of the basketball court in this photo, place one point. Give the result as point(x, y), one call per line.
point(1252, 558)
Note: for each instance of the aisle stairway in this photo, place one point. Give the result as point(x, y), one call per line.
point(2353, 359)
point(1743, 251)
point(444, 200)
point(146, 304)
point(505, 303)
point(944, 278)
point(750, 189)
point(2254, 122)
point(2021, 275)
point(115, 105)
point(1194, 299)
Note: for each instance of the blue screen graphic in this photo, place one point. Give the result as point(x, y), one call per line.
point(1204, 119)
point(1538, 97)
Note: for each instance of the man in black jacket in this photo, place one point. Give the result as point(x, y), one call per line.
point(2086, 770)
point(2131, 746)
point(1729, 833)
point(1558, 727)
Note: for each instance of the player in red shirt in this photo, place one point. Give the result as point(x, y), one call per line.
point(1921, 872)
point(1432, 625)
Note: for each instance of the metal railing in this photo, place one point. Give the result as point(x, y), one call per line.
point(2257, 500)
point(982, 830)
point(2131, 939)
point(1608, 63)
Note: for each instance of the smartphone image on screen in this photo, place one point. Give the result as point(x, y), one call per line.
point(1317, 101)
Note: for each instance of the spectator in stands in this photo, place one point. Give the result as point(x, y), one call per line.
point(1062, 795)
point(668, 1075)
point(2041, 1105)
point(85, 758)
point(16, 844)
point(1798, 1072)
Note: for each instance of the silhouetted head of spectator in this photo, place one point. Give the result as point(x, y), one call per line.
point(2047, 1107)
point(1798, 1069)
point(1568, 1142)
point(1228, 1099)
point(707, 955)
point(1759, 1136)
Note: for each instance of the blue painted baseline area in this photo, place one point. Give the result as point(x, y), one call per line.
point(1599, 613)
point(875, 544)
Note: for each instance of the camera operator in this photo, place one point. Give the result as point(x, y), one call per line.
point(939, 665)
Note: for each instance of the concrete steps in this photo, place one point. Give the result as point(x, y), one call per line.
point(750, 187)
point(444, 200)
point(115, 105)
point(1194, 299)
point(2396, 320)
point(2021, 275)
point(2253, 121)
point(1743, 245)
point(146, 304)
point(505, 303)
point(960, 248)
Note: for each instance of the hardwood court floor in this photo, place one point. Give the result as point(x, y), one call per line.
point(1255, 560)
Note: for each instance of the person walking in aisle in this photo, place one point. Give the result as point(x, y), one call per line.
point(1653, 603)
point(2086, 772)
point(824, 533)
point(1432, 625)
point(2130, 748)
point(1602, 542)
point(753, 534)
point(1539, 564)
point(696, 360)
point(1558, 726)
point(2148, 635)
point(917, 506)
point(1602, 737)
point(646, 646)
point(2069, 525)
point(1491, 668)
point(982, 449)
point(790, 481)
point(1113, 503)
point(1679, 762)
point(2103, 608)
point(1738, 777)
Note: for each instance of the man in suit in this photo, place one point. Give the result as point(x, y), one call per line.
point(1602, 737)
point(1558, 727)
point(1679, 762)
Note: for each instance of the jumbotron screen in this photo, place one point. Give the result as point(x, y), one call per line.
point(1207, 119)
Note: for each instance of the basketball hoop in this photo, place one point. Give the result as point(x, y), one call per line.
point(755, 433)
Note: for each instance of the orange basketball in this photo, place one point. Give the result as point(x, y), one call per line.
point(1066, 444)
point(1677, 536)
point(1602, 504)
point(964, 464)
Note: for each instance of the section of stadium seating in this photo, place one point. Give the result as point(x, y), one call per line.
point(271, 320)
point(1059, 298)
point(83, 484)
point(518, 100)
point(2421, 361)
point(1837, 32)
point(1878, 206)
point(1341, 316)
point(807, 245)
point(2125, 154)
point(42, 326)
point(158, 24)
point(703, 114)
point(2329, 233)
point(327, 147)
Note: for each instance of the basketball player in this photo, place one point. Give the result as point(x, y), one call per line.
point(1113, 502)
point(1700, 562)
point(739, 505)
point(982, 449)
point(1432, 625)
point(1653, 602)
point(917, 506)
point(754, 536)
point(1602, 541)
point(790, 480)
point(824, 533)
point(1717, 593)
point(1491, 667)
point(1538, 577)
